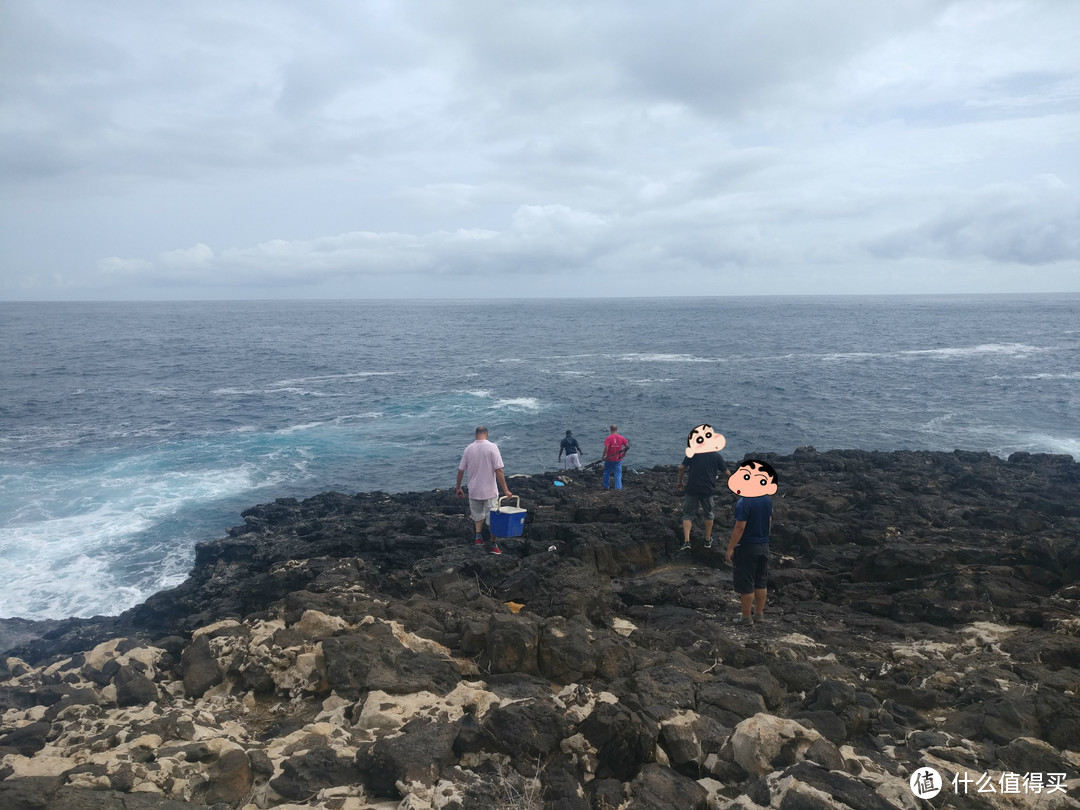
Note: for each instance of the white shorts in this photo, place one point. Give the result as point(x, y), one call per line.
point(481, 509)
point(572, 460)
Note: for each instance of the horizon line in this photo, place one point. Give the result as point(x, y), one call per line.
point(475, 298)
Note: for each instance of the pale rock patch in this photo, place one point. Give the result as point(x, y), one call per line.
point(758, 740)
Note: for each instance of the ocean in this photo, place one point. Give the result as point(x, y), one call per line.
point(131, 431)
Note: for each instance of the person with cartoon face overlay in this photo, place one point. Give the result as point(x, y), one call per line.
point(702, 466)
point(754, 481)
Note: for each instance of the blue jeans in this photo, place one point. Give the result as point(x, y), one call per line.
point(610, 468)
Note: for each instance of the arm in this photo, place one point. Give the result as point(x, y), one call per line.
point(502, 482)
point(678, 483)
point(736, 536)
point(457, 486)
point(560, 453)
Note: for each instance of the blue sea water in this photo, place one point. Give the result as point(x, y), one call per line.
point(131, 431)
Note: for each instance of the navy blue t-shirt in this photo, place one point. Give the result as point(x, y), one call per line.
point(701, 472)
point(570, 446)
point(756, 512)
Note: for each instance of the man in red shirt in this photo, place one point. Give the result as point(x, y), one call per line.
point(615, 447)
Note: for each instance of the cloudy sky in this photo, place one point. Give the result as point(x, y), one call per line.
point(349, 149)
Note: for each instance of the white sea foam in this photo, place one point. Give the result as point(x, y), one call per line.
point(276, 389)
point(352, 375)
point(983, 348)
point(349, 417)
point(665, 358)
point(481, 392)
point(1068, 375)
point(839, 356)
point(285, 431)
point(63, 565)
point(518, 403)
point(939, 421)
point(1045, 443)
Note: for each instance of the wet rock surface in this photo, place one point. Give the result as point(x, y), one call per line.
point(349, 652)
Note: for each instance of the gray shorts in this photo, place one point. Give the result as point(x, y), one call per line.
point(690, 505)
point(481, 509)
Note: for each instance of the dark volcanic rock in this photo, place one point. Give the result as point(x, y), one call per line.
point(373, 659)
point(201, 669)
point(622, 739)
point(921, 606)
point(418, 754)
point(318, 768)
point(529, 730)
point(657, 788)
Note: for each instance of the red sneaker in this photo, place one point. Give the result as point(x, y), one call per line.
point(495, 548)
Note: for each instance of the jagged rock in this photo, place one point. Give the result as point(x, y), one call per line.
point(373, 658)
point(229, 778)
point(922, 609)
point(806, 785)
point(527, 730)
point(688, 738)
point(317, 768)
point(623, 741)
point(1030, 755)
point(418, 754)
point(512, 643)
point(25, 740)
point(201, 669)
point(659, 788)
point(761, 743)
point(133, 688)
point(565, 650)
point(665, 687)
point(728, 704)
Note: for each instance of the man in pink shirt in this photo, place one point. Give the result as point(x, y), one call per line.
point(615, 447)
point(484, 465)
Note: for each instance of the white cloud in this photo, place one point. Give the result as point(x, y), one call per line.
point(1034, 223)
point(316, 145)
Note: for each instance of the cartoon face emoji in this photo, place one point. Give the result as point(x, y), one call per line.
point(751, 481)
point(703, 439)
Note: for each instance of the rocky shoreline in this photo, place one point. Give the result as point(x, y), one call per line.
point(353, 652)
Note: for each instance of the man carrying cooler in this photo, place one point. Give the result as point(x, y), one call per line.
point(484, 465)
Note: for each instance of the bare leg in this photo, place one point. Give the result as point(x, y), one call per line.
point(708, 529)
point(759, 600)
point(686, 524)
point(747, 600)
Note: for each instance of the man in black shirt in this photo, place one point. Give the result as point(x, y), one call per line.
point(570, 446)
point(702, 466)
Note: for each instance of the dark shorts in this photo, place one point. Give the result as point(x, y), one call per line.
point(751, 562)
point(690, 505)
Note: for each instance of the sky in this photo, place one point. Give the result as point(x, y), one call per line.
point(234, 149)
